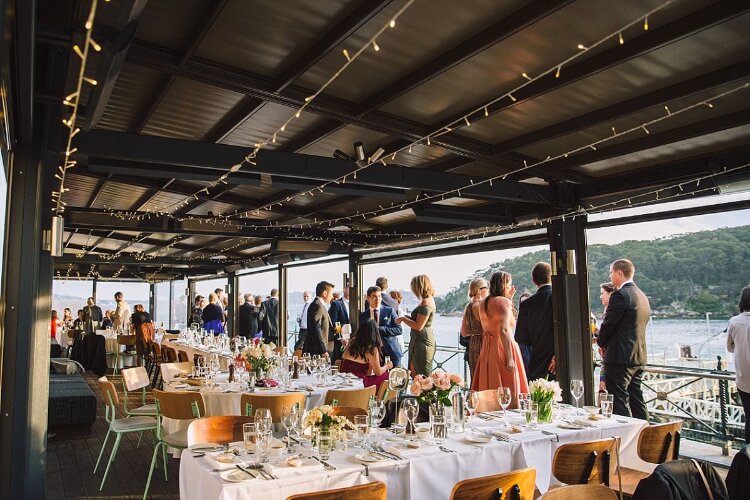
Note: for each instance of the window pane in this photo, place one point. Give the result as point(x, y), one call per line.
point(133, 293)
point(161, 290)
point(178, 307)
point(207, 287)
point(71, 294)
point(305, 278)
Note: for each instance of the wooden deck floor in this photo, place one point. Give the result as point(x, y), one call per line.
point(71, 459)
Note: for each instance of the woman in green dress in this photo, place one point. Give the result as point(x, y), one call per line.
point(422, 340)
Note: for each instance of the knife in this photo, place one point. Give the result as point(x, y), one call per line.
point(249, 472)
point(324, 463)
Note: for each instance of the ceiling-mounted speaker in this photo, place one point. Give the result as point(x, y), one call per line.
point(376, 154)
point(359, 151)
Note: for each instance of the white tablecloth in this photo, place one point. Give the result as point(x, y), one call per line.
point(428, 473)
point(224, 358)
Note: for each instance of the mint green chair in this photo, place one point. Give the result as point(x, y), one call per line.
point(132, 380)
point(119, 426)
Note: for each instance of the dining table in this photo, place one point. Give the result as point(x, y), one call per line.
point(487, 446)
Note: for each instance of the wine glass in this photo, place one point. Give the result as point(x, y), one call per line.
point(472, 402)
point(398, 379)
point(411, 408)
point(264, 420)
point(287, 420)
point(576, 390)
point(377, 413)
point(504, 398)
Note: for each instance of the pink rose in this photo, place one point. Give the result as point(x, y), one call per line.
point(426, 384)
point(456, 379)
point(416, 388)
point(436, 375)
point(443, 383)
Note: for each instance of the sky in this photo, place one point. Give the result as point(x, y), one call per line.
point(448, 272)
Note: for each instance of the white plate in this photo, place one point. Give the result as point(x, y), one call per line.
point(368, 457)
point(478, 439)
point(569, 425)
point(205, 445)
point(236, 476)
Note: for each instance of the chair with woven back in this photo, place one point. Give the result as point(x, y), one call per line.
point(127, 341)
point(657, 444)
point(182, 356)
point(119, 426)
point(219, 430)
point(175, 405)
point(133, 379)
point(348, 411)
point(488, 401)
point(580, 492)
point(359, 398)
point(370, 491)
point(274, 402)
point(514, 485)
point(587, 462)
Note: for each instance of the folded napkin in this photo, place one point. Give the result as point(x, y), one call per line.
point(404, 452)
point(214, 464)
point(179, 386)
point(281, 469)
point(508, 432)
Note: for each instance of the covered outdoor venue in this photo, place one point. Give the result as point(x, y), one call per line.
point(168, 148)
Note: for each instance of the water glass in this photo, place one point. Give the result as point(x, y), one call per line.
point(264, 420)
point(320, 378)
point(263, 447)
point(251, 381)
point(250, 435)
point(325, 443)
point(363, 429)
point(523, 400)
point(531, 412)
point(607, 402)
point(439, 427)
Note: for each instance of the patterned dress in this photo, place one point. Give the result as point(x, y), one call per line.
point(474, 328)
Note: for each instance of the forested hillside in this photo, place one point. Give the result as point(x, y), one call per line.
point(682, 275)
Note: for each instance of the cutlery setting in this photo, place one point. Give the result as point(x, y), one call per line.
point(325, 464)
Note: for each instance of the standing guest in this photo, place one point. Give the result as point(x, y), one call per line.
point(54, 323)
point(471, 324)
point(196, 313)
point(67, 318)
point(339, 313)
point(363, 355)
point(255, 322)
point(121, 314)
point(525, 349)
point(302, 320)
point(213, 315)
point(382, 283)
point(247, 309)
point(422, 338)
point(623, 335)
point(336, 296)
point(534, 326)
point(319, 326)
point(398, 297)
point(107, 320)
point(500, 363)
point(738, 342)
point(143, 328)
point(220, 297)
point(605, 291)
point(269, 318)
point(79, 322)
point(386, 319)
point(93, 316)
point(225, 307)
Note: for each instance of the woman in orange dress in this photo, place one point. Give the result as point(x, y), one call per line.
point(500, 363)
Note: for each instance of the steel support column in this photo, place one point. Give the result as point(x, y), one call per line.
point(283, 305)
point(232, 303)
point(355, 290)
point(570, 302)
point(152, 301)
point(191, 300)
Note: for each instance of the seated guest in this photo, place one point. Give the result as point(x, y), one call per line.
point(213, 315)
point(107, 320)
point(363, 354)
point(80, 321)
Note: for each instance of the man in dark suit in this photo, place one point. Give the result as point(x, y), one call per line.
point(389, 301)
point(385, 317)
point(269, 318)
point(534, 325)
point(623, 336)
point(319, 326)
point(339, 313)
point(247, 309)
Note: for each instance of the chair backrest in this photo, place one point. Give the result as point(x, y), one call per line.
point(588, 462)
point(580, 492)
point(281, 349)
point(126, 339)
point(170, 370)
point(515, 485)
point(170, 355)
point(135, 378)
point(170, 336)
point(298, 353)
point(383, 390)
point(348, 411)
point(219, 430)
point(274, 402)
point(156, 348)
point(337, 363)
point(660, 443)
point(488, 401)
point(198, 359)
point(180, 405)
point(182, 356)
point(370, 491)
point(359, 398)
point(109, 391)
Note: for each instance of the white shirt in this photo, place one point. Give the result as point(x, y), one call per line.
point(346, 305)
point(738, 342)
point(303, 317)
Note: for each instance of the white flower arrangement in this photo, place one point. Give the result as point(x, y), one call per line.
point(321, 418)
point(260, 356)
point(545, 390)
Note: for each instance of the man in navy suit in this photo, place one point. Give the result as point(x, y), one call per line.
point(339, 313)
point(385, 317)
point(623, 336)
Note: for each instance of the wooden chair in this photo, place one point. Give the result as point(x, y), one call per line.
point(157, 358)
point(132, 380)
point(359, 398)
point(274, 402)
point(588, 462)
point(182, 356)
point(169, 354)
point(280, 349)
point(515, 485)
point(170, 336)
point(348, 411)
point(124, 341)
point(488, 401)
point(337, 363)
point(370, 491)
point(580, 492)
point(657, 444)
point(119, 426)
point(171, 370)
point(219, 430)
point(298, 353)
point(177, 405)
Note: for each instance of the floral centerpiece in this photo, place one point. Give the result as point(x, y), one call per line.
point(260, 356)
point(543, 393)
point(436, 388)
point(321, 419)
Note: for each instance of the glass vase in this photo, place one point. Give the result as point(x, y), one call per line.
point(545, 411)
point(324, 443)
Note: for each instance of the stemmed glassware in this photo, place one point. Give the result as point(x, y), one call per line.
point(411, 409)
point(287, 420)
point(504, 397)
point(472, 402)
point(576, 390)
point(264, 420)
point(398, 379)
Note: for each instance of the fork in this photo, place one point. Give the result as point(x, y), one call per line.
point(446, 450)
point(380, 449)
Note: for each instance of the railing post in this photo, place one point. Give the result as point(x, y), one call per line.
point(723, 400)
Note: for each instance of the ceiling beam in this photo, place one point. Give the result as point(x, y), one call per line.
point(133, 259)
point(239, 114)
point(459, 216)
point(649, 41)
point(662, 96)
point(494, 34)
point(318, 132)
